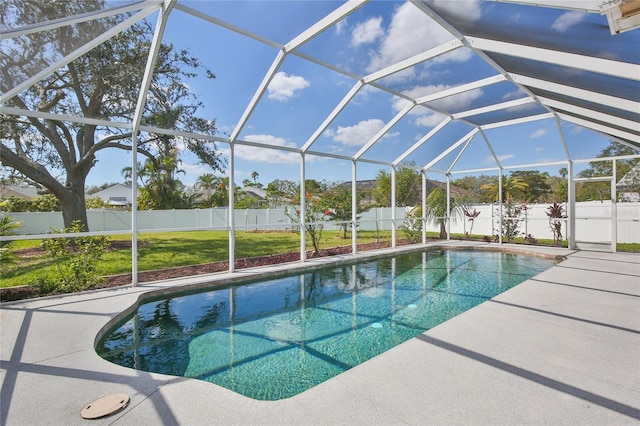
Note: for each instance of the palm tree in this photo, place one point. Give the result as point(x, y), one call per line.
point(254, 176)
point(563, 172)
point(512, 187)
point(208, 184)
point(436, 211)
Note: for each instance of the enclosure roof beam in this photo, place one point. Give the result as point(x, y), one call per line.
point(64, 117)
point(601, 128)
point(460, 89)
point(267, 146)
point(329, 155)
point(331, 19)
point(574, 92)
point(76, 54)
point(341, 105)
point(490, 147)
point(462, 151)
point(416, 59)
point(495, 107)
point(226, 25)
point(591, 6)
point(565, 59)
point(257, 95)
point(77, 19)
point(383, 131)
point(451, 148)
point(591, 114)
point(530, 165)
point(515, 121)
point(422, 140)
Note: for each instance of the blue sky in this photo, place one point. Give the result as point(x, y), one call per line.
point(303, 93)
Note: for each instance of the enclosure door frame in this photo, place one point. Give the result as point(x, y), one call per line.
point(614, 210)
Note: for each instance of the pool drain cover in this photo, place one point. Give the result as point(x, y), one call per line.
point(105, 406)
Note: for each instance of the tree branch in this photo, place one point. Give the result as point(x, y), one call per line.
point(144, 152)
point(30, 168)
point(77, 89)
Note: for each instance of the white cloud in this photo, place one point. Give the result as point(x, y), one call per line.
point(367, 32)
point(195, 169)
point(358, 134)
point(567, 20)
point(284, 86)
point(429, 120)
point(410, 33)
point(272, 156)
point(501, 158)
point(341, 26)
point(467, 9)
point(505, 157)
point(515, 94)
point(538, 133)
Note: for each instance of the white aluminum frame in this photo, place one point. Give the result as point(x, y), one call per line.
point(623, 130)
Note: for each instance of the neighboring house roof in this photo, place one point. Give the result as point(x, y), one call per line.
point(25, 192)
point(259, 193)
point(115, 195)
point(368, 185)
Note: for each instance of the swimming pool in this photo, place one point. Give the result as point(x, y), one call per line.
point(273, 339)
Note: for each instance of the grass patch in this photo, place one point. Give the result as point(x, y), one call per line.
point(174, 249)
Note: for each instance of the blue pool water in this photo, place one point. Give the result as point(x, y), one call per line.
point(273, 339)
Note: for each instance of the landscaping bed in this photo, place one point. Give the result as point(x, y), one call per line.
point(25, 292)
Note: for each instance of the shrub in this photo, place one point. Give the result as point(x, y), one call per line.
point(411, 227)
point(7, 257)
point(75, 259)
point(472, 217)
point(555, 213)
point(512, 218)
point(315, 212)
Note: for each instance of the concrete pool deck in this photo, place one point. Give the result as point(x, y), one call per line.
point(560, 348)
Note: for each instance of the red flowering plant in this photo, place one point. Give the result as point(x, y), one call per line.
point(555, 213)
point(472, 217)
point(315, 215)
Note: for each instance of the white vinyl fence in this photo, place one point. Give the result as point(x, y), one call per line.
point(592, 221)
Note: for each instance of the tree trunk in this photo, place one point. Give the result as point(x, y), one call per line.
point(443, 231)
point(72, 202)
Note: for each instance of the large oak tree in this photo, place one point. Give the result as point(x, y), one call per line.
point(104, 84)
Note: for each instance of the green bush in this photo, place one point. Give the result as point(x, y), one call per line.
point(411, 227)
point(75, 259)
point(7, 256)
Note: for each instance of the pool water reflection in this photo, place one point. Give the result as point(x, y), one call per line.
point(273, 339)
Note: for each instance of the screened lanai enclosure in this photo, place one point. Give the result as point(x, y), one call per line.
point(219, 94)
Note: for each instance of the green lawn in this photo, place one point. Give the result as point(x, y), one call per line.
point(173, 249)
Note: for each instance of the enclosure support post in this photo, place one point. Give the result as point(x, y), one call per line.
point(448, 207)
point(571, 207)
point(393, 207)
point(614, 210)
point(424, 206)
point(354, 208)
point(137, 118)
point(303, 247)
point(134, 212)
point(232, 225)
point(500, 201)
